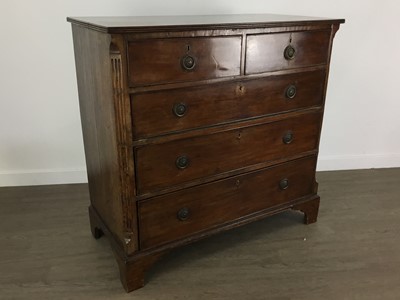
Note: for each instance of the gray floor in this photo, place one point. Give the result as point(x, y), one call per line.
point(352, 252)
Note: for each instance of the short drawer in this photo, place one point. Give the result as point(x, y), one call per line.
point(162, 112)
point(157, 61)
point(172, 163)
point(180, 214)
point(280, 51)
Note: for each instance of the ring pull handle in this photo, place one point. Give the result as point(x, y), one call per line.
point(183, 214)
point(289, 52)
point(188, 62)
point(179, 109)
point(288, 137)
point(284, 184)
point(291, 91)
point(182, 162)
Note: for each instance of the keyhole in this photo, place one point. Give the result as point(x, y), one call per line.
point(188, 48)
point(237, 183)
point(240, 90)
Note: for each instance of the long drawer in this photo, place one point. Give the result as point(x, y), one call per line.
point(280, 51)
point(158, 61)
point(177, 215)
point(162, 165)
point(161, 112)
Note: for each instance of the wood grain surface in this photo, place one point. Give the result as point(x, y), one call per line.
point(219, 202)
point(226, 151)
point(152, 113)
point(265, 52)
point(156, 61)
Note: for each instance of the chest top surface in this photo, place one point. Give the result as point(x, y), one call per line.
point(165, 23)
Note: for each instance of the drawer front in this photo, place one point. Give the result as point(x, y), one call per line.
point(272, 52)
point(162, 165)
point(169, 111)
point(180, 214)
point(183, 59)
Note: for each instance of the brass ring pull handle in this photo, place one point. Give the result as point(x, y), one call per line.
point(288, 137)
point(182, 162)
point(289, 52)
point(179, 109)
point(284, 184)
point(291, 91)
point(188, 62)
point(183, 214)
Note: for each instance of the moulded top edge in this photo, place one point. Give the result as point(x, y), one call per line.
point(165, 23)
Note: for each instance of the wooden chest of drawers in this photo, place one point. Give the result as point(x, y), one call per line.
point(195, 125)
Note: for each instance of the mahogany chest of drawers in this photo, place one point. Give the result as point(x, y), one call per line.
point(195, 125)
